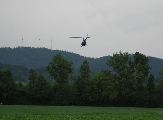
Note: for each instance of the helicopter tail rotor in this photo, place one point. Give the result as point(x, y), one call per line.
point(87, 36)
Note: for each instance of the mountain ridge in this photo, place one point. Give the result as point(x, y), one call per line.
point(36, 58)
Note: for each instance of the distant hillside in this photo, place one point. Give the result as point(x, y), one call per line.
point(38, 58)
point(156, 64)
point(19, 73)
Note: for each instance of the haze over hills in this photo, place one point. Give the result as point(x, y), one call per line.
point(19, 60)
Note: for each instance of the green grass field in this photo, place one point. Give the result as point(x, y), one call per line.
point(23, 112)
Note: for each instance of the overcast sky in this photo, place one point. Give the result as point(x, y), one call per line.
point(126, 25)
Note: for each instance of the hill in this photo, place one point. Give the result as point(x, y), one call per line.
point(20, 59)
point(35, 57)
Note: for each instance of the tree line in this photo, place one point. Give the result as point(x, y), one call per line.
point(128, 84)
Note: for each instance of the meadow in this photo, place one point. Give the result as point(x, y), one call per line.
point(27, 112)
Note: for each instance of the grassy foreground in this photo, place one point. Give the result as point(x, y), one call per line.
point(23, 112)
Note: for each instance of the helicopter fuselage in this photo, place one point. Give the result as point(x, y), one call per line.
point(83, 42)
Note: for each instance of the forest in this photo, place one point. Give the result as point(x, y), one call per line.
point(128, 82)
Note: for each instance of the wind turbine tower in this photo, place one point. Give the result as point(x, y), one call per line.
point(22, 41)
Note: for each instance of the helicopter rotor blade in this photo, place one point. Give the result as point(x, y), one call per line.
point(76, 37)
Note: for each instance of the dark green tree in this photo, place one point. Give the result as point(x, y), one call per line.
point(7, 87)
point(31, 98)
point(151, 96)
point(82, 84)
point(85, 71)
point(159, 90)
point(141, 68)
point(161, 77)
point(151, 84)
point(102, 89)
point(38, 89)
point(141, 71)
point(123, 69)
point(41, 90)
point(130, 73)
point(32, 76)
point(60, 69)
point(21, 94)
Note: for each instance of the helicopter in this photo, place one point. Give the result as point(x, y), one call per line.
point(84, 40)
